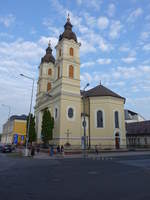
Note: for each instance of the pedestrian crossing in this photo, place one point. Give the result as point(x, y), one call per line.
point(99, 158)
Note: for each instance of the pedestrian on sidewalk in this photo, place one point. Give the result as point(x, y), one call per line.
point(96, 150)
point(62, 150)
point(58, 149)
point(32, 151)
point(51, 151)
point(38, 149)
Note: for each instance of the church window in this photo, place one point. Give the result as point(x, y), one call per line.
point(99, 119)
point(71, 51)
point(56, 113)
point(49, 71)
point(116, 119)
point(58, 75)
point(59, 52)
point(48, 86)
point(70, 113)
point(71, 71)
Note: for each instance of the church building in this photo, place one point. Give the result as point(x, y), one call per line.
point(97, 113)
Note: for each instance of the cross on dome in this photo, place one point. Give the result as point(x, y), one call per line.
point(49, 43)
point(68, 18)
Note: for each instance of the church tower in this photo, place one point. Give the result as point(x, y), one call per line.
point(44, 86)
point(67, 86)
point(46, 73)
point(59, 89)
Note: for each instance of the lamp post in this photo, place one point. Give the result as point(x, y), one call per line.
point(84, 122)
point(27, 133)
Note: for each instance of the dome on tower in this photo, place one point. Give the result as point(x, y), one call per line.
point(48, 56)
point(68, 33)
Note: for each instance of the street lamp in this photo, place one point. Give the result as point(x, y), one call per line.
point(84, 122)
point(27, 133)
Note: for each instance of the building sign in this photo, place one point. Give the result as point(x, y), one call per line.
point(15, 138)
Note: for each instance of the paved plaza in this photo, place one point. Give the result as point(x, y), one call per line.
point(120, 177)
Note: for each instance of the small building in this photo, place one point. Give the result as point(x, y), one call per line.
point(14, 130)
point(138, 134)
point(131, 116)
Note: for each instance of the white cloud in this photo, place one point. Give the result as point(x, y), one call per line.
point(86, 47)
point(134, 15)
point(8, 20)
point(104, 46)
point(103, 22)
point(147, 17)
point(90, 20)
point(146, 47)
point(111, 10)
point(54, 30)
point(115, 29)
point(104, 61)
point(86, 77)
point(128, 60)
point(87, 64)
point(79, 2)
point(124, 48)
point(145, 35)
point(43, 41)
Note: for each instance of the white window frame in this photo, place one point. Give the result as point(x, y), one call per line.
point(56, 107)
point(119, 118)
point(99, 109)
point(74, 113)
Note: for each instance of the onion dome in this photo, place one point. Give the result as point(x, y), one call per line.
point(68, 33)
point(48, 56)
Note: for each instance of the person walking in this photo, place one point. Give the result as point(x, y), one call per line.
point(58, 149)
point(51, 150)
point(32, 151)
point(96, 150)
point(62, 149)
point(38, 149)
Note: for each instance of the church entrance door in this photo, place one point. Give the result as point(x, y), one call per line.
point(117, 141)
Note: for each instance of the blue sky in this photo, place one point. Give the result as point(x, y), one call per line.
point(115, 38)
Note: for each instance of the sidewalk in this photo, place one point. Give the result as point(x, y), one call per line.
point(100, 155)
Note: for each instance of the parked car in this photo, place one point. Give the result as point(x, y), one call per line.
point(7, 148)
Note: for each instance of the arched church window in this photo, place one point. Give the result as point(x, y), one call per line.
point(48, 86)
point(56, 113)
point(71, 71)
point(49, 71)
point(99, 119)
point(116, 119)
point(71, 51)
point(70, 112)
point(58, 75)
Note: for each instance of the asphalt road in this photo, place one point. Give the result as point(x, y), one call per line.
point(124, 178)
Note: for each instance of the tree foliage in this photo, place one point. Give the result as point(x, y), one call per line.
point(32, 133)
point(47, 126)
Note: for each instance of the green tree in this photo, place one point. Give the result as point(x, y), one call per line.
point(47, 126)
point(32, 132)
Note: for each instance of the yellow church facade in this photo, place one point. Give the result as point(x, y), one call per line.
point(97, 113)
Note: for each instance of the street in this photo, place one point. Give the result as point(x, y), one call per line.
point(123, 178)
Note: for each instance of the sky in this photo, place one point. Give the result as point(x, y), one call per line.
point(115, 47)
